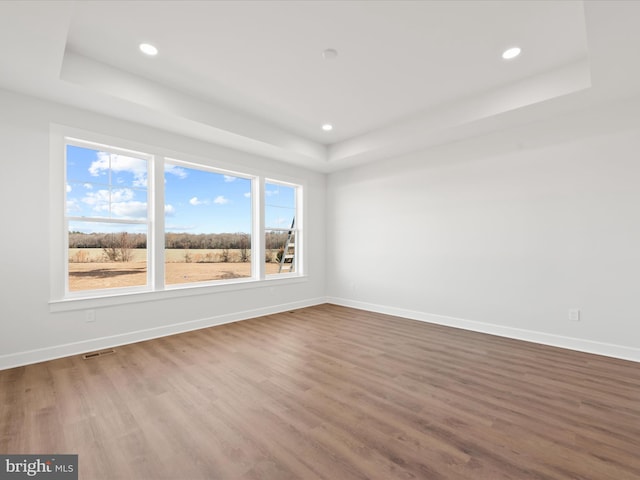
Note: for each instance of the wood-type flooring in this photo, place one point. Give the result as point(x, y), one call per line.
point(334, 393)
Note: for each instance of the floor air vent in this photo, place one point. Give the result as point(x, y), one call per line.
point(87, 356)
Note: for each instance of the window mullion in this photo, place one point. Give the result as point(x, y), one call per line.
point(258, 239)
point(300, 216)
point(156, 197)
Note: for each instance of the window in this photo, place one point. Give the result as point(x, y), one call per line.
point(281, 230)
point(144, 222)
point(208, 219)
point(107, 217)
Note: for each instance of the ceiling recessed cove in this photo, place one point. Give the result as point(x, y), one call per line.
point(511, 53)
point(148, 49)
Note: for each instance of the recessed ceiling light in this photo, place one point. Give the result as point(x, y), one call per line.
point(148, 49)
point(510, 53)
point(327, 127)
point(329, 53)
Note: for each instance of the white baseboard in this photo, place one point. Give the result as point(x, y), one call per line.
point(50, 353)
point(581, 345)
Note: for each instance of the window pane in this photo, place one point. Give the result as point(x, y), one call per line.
point(106, 255)
point(208, 218)
point(99, 201)
point(280, 231)
point(280, 205)
point(105, 185)
point(280, 250)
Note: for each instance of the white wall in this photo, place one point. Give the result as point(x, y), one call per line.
point(503, 240)
point(497, 239)
point(29, 330)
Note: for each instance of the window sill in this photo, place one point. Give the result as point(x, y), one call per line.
point(122, 298)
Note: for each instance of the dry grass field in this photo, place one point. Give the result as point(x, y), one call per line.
point(88, 269)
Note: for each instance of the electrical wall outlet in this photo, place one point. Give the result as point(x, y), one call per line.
point(574, 314)
point(91, 316)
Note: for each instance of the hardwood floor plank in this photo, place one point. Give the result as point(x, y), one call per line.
point(330, 392)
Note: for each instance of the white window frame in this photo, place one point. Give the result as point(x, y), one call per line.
point(115, 221)
point(63, 300)
point(255, 273)
point(298, 268)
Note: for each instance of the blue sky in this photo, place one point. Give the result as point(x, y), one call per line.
point(105, 185)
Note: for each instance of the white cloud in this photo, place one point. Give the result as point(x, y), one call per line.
point(117, 201)
point(221, 200)
point(130, 209)
point(120, 163)
point(269, 193)
point(195, 201)
point(175, 170)
point(73, 205)
point(100, 166)
point(169, 210)
point(229, 178)
point(88, 186)
point(68, 188)
point(100, 199)
point(247, 194)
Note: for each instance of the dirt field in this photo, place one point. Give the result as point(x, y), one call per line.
point(94, 274)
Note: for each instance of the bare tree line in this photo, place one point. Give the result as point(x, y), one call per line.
point(111, 242)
